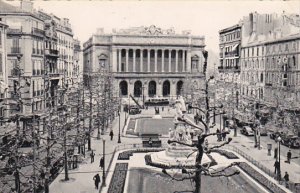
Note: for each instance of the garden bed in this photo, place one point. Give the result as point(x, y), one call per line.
point(117, 182)
point(228, 155)
point(125, 155)
point(149, 162)
point(272, 187)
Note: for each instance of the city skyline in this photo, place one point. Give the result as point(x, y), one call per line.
point(85, 17)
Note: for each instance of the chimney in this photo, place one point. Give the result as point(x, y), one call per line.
point(27, 6)
point(100, 31)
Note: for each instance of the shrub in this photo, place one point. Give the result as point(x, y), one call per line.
point(117, 182)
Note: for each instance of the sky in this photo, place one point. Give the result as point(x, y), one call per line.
point(204, 18)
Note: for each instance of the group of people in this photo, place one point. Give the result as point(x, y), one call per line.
point(96, 178)
point(286, 176)
point(221, 136)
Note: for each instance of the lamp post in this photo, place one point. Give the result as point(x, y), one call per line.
point(103, 176)
point(119, 136)
point(279, 171)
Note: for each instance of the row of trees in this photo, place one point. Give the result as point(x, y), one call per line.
point(51, 144)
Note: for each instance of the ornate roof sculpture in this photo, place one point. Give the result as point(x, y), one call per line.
point(151, 30)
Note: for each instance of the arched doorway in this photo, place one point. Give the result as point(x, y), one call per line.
point(137, 88)
point(123, 88)
point(166, 88)
point(179, 88)
point(152, 88)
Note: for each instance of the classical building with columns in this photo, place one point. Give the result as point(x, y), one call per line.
point(147, 61)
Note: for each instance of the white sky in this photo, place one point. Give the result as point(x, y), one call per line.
point(201, 17)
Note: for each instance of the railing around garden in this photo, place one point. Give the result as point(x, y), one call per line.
point(294, 187)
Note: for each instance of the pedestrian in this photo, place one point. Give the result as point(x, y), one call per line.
point(150, 142)
point(206, 144)
point(101, 163)
point(286, 178)
point(275, 152)
point(276, 165)
point(97, 180)
point(192, 134)
point(111, 134)
point(289, 156)
point(92, 156)
point(223, 134)
point(218, 135)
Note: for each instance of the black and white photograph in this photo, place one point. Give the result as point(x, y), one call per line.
point(148, 96)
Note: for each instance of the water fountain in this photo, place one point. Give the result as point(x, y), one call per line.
point(176, 154)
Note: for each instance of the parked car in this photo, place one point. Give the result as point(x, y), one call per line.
point(263, 131)
point(291, 141)
point(134, 111)
point(276, 134)
point(246, 130)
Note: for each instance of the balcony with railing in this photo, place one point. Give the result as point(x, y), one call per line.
point(235, 69)
point(16, 31)
point(52, 53)
point(38, 32)
point(232, 54)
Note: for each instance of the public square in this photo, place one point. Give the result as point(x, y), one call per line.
point(149, 96)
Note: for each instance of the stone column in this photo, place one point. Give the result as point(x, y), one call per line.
point(188, 60)
point(155, 60)
point(134, 60)
point(114, 60)
point(120, 59)
point(170, 51)
point(163, 60)
point(183, 61)
point(176, 61)
point(148, 60)
point(127, 63)
point(141, 60)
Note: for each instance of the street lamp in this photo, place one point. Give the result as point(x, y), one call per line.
point(119, 136)
point(103, 176)
point(279, 171)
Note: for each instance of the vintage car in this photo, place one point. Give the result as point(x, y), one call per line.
point(134, 110)
point(276, 134)
point(246, 130)
point(291, 141)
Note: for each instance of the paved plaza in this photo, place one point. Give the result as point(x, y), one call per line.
point(81, 179)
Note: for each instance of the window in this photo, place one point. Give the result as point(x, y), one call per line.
point(0, 38)
point(122, 67)
point(262, 50)
point(257, 51)
point(33, 89)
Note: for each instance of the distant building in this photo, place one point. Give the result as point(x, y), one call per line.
point(147, 61)
point(230, 49)
point(3, 73)
point(270, 58)
point(42, 46)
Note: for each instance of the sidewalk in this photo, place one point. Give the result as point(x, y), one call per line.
point(246, 145)
point(81, 178)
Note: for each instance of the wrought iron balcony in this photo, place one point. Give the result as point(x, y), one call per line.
point(53, 53)
point(11, 31)
point(36, 31)
point(231, 54)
